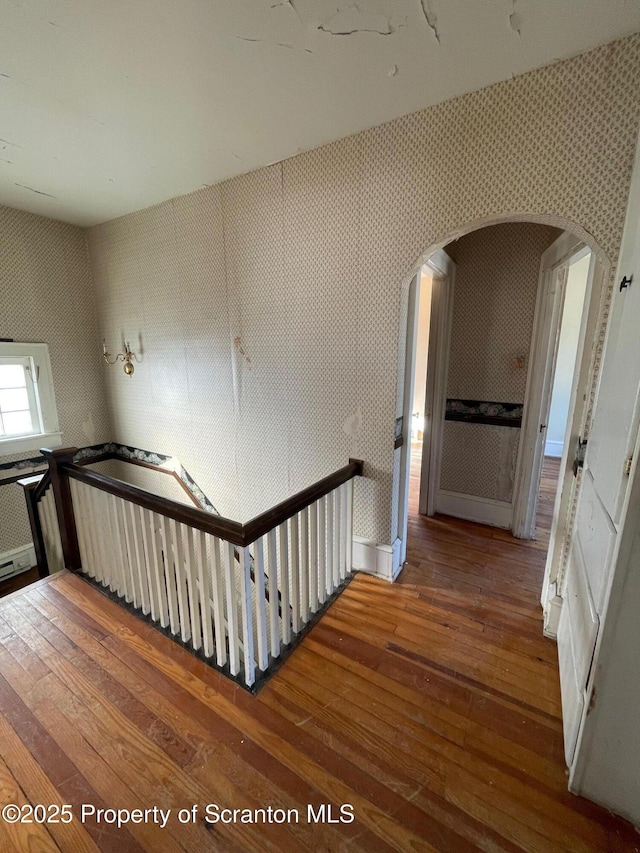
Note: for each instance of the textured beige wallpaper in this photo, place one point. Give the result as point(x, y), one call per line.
point(497, 270)
point(46, 296)
point(479, 460)
point(269, 308)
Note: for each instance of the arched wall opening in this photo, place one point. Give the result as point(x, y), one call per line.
point(599, 298)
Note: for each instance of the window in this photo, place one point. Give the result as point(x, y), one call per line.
point(28, 417)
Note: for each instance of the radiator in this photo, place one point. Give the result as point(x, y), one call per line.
point(16, 561)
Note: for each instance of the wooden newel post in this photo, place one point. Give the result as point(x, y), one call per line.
point(64, 503)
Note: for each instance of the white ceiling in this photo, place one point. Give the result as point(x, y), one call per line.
point(109, 106)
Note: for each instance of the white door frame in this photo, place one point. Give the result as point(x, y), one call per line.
point(542, 359)
point(567, 483)
point(407, 400)
point(443, 270)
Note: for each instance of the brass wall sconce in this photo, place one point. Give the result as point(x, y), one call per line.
point(127, 357)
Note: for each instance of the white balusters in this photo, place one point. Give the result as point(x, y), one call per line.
point(84, 541)
point(151, 568)
point(115, 564)
point(331, 532)
point(260, 605)
point(139, 557)
point(335, 539)
point(199, 546)
point(232, 610)
point(193, 587)
point(212, 590)
point(51, 532)
point(246, 616)
point(345, 525)
point(283, 582)
point(314, 557)
point(294, 539)
point(274, 596)
point(115, 543)
point(169, 574)
point(304, 565)
point(322, 550)
point(91, 535)
point(236, 606)
point(181, 580)
point(349, 523)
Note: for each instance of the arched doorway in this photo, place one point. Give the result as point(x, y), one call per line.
point(538, 365)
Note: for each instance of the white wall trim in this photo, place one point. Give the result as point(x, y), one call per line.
point(552, 616)
point(28, 443)
point(377, 559)
point(553, 448)
point(472, 508)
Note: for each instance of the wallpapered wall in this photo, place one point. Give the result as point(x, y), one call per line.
point(268, 308)
point(46, 296)
point(497, 270)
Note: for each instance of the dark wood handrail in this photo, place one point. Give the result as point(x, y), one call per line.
point(216, 525)
point(273, 517)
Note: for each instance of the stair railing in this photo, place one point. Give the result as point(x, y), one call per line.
point(238, 595)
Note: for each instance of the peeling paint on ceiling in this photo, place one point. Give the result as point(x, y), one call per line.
point(515, 19)
point(430, 17)
point(110, 107)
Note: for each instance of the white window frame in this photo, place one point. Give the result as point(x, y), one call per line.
point(41, 397)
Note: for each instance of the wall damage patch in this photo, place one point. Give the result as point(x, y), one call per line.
point(515, 19)
point(352, 19)
point(240, 349)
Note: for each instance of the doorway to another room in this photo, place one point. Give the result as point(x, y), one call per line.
point(560, 406)
point(418, 407)
point(499, 360)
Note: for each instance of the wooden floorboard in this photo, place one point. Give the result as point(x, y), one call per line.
point(431, 706)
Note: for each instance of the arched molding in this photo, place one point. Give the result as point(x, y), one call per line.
point(500, 218)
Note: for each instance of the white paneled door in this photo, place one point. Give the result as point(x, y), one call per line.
point(605, 481)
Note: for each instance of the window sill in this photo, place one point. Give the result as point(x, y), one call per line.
point(25, 443)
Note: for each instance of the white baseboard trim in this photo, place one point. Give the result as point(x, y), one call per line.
point(552, 617)
point(472, 508)
point(553, 448)
point(377, 559)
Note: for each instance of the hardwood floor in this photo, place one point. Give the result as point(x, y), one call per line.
point(546, 500)
point(431, 706)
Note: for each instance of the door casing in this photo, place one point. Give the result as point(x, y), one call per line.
point(443, 271)
point(542, 360)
